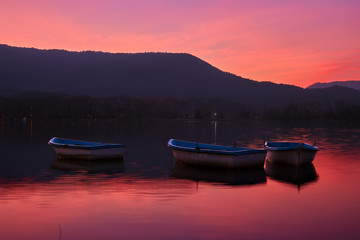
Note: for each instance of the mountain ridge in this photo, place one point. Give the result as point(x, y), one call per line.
point(355, 84)
point(146, 75)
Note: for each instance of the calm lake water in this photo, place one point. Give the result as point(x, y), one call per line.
point(148, 196)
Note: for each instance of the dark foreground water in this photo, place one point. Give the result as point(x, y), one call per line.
point(148, 196)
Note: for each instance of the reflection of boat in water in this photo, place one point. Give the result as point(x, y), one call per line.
point(85, 149)
point(95, 166)
point(291, 174)
point(220, 175)
point(290, 152)
point(216, 155)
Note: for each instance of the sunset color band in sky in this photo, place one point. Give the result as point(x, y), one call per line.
point(283, 41)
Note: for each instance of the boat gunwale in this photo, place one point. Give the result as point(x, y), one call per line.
point(78, 144)
point(289, 146)
point(206, 148)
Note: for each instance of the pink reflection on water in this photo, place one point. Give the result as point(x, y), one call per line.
point(119, 206)
point(88, 207)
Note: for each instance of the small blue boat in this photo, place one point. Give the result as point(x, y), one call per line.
point(86, 150)
point(292, 153)
point(216, 155)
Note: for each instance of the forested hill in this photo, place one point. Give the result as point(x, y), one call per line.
point(146, 75)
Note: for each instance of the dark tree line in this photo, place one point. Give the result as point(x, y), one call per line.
point(339, 110)
point(131, 108)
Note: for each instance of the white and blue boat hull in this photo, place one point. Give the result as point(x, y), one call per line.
point(291, 153)
point(69, 148)
point(216, 155)
point(218, 160)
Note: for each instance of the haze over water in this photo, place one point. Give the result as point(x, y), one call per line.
point(148, 196)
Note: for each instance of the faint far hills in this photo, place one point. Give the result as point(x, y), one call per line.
point(350, 84)
point(32, 72)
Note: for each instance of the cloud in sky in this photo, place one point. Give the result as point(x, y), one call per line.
point(283, 41)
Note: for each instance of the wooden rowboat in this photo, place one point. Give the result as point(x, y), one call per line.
point(292, 153)
point(216, 155)
point(70, 148)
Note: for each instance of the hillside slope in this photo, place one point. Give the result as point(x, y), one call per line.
point(155, 75)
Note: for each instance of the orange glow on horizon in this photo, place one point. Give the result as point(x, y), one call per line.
point(297, 43)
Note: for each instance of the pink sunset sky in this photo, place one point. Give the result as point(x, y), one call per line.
point(283, 41)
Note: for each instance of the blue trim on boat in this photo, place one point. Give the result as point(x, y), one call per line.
point(283, 146)
point(210, 148)
point(70, 143)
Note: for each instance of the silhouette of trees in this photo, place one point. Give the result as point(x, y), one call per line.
point(131, 108)
point(330, 110)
